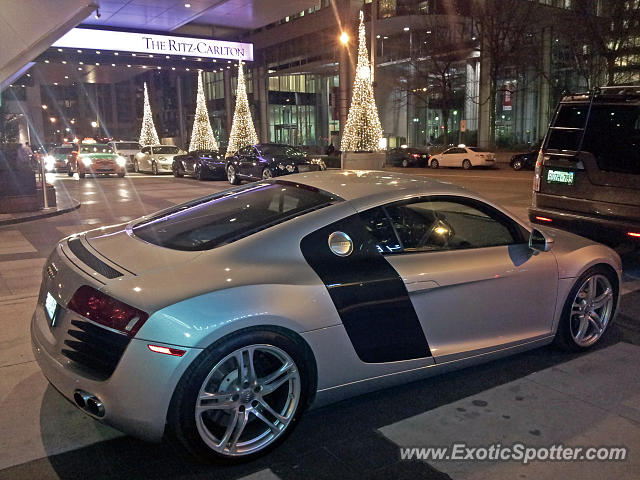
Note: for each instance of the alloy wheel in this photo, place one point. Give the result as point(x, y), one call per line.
point(517, 165)
point(434, 164)
point(154, 168)
point(591, 310)
point(266, 174)
point(247, 400)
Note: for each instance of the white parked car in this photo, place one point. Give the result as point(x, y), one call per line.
point(463, 156)
point(126, 149)
point(156, 158)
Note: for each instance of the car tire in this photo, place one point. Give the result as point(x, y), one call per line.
point(575, 333)
point(267, 174)
point(405, 163)
point(136, 166)
point(517, 165)
point(466, 164)
point(121, 174)
point(435, 163)
point(217, 434)
point(154, 168)
point(232, 175)
point(198, 172)
point(177, 173)
point(82, 174)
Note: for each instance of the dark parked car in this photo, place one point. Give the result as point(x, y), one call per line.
point(587, 177)
point(524, 161)
point(267, 160)
point(407, 157)
point(200, 164)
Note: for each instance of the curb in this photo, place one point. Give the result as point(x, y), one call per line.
point(12, 221)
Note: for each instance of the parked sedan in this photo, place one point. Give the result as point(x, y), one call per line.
point(127, 149)
point(267, 160)
point(200, 164)
point(522, 161)
point(156, 159)
point(96, 159)
point(230, 314)
point(407, 157)
point(463, 156)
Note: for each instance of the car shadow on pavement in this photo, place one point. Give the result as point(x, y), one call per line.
point(337, 441)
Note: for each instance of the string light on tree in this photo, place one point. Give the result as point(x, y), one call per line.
point(243, 132)
point(148, 134)
point(202, 135)
point(363, 130)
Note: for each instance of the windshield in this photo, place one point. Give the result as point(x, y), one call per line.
point(62, 150)
point(165, 150)
point(96, 148)
point(280, 150)
point(222, 218)
point(127, 146)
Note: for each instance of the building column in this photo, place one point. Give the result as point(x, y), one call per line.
point(484, 106)
point(181, 119)
point(261, 94)
point(228, 103)
point(115, 127)
point(471, 99)
point(544, 88)
point(33, 115)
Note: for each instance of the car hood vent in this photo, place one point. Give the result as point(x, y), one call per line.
point(85, 256)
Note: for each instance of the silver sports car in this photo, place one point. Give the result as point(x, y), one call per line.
point(219, 321)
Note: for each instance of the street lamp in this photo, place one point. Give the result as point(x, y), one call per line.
point(344, 38)
point(94, 124)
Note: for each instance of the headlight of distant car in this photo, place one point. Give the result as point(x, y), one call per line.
point(320, 162)
point(281, 166)
point(86, 161)
point(121, 161)
point(49, 162)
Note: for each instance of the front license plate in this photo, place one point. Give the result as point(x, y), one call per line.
point(50, 305)
point(560, 176)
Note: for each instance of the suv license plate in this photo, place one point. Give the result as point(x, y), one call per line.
point(560, 176)
point(50, 305)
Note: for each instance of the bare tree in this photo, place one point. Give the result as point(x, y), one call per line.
point(505, 29)
point(609, 33)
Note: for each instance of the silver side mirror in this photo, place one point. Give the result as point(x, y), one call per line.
point(539, 241)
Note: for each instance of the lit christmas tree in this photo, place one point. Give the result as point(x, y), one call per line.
point(243, 132)
point(202, 135)
point(148, 134)
point(363, 130)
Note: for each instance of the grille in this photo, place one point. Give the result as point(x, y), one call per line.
point(80, 251)
point(94, 349)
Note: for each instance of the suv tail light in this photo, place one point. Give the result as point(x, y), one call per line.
point(105, 310)
point(634, 234)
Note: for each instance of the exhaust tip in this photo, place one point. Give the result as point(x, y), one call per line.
point(89, 403)
point(80, 398)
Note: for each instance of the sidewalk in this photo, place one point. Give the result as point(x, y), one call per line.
point(64, 203)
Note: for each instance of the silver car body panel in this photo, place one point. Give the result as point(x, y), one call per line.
point(196, 298)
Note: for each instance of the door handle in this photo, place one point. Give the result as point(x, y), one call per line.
point(418, 286)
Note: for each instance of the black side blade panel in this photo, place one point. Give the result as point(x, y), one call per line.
point(369, 295)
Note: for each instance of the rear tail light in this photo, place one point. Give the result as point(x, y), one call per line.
point(634, 234)
point(415, 155)
point(105, 310)
point(543, 219)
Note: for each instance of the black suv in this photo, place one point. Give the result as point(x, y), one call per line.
point(587, 176)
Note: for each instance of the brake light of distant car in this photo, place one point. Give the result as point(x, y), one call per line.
point(543, 219)
point(415, 155)
point(86, 161)
point(121, 161)
point(175, 352)
point(634, 234)
point(105, 310)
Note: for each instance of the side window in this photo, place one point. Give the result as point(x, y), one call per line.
point(444, 223)
point(379, 226)
point(146, 150)
point(244, 151)
point(449, 152)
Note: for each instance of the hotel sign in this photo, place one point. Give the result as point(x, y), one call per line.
point(93, 39)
